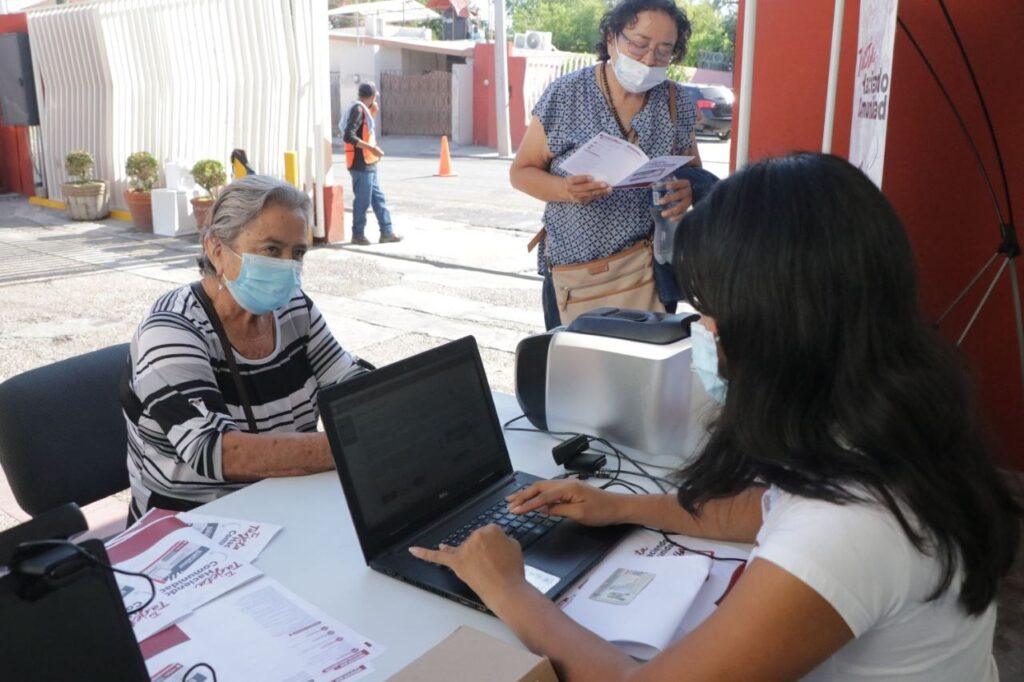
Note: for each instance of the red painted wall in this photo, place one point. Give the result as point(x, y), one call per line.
point(484, 124)
point(930, 173)
point(484, 130)
point(15, 160)
point(13, 23)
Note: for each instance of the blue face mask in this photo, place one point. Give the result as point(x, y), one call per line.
point(264, 283)
point(705, 362)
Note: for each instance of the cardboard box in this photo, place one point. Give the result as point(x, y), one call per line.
point(471, 655)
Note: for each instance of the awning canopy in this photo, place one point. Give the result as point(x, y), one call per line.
point(392, 11)
point(460, 7)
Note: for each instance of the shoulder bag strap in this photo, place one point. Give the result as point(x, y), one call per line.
point(229, 352)
point(537, 239)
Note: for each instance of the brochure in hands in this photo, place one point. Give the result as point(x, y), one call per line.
point(619, 163)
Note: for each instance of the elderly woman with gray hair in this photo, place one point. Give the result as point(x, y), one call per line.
point(221, 389)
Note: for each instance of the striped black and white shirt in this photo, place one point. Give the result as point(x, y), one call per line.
point(186, 396)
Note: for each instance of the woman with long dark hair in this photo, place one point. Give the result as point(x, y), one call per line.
point(845, 449)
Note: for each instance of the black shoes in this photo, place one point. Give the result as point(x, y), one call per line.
point(384, 239)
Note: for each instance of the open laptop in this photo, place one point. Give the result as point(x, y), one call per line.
point(422, 460)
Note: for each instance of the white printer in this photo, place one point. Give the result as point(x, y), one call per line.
point(623, 375)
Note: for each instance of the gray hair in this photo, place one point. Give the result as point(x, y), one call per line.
point(241, 202)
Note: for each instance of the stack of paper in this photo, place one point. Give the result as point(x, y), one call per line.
point(212, 605)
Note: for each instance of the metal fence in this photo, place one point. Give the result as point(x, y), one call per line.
point(184, 80)
point(543, 68)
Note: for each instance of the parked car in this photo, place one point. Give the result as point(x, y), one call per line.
point(714, 109)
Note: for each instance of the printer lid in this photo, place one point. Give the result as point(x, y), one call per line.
point(635, 325)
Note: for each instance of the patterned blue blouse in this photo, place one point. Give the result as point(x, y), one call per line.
point(573, 110)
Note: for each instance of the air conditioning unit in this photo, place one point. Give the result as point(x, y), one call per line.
point(533, 40)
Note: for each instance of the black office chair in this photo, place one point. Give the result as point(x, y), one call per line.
point(62, 431)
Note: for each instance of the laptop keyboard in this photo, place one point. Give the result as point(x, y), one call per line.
point(526, 528)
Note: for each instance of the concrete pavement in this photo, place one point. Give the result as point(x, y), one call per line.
point(66, 288)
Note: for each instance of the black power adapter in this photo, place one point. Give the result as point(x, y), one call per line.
point(571, 455)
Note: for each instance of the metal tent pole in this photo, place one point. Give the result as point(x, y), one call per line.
point(746, 81)
point(833, 77)
point(501, 79)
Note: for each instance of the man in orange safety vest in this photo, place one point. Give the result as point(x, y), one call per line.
point(361, 157)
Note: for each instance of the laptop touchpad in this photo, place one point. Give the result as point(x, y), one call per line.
point(559, 553)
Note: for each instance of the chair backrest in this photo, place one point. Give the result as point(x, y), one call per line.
point(62, 432)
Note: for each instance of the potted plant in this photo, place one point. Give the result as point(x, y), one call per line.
point(208, 174)
point(142, 170)
point(84, 197)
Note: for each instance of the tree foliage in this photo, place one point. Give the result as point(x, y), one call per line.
point(709, 35)
point(573, 23)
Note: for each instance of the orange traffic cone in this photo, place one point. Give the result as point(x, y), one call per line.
point(445, 171)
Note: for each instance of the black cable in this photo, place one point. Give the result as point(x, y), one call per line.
point(634, 488)
point(639, 461)
point(984, 109)
point(657, 480)
point(959, 119)
point(184, 678)
point(619, 454)
point(557, 434)
point(704, 552)
point(513, 419)
point(615, 479)
point(101, 564)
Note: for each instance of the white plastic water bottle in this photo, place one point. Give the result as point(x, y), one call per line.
point(664, 228)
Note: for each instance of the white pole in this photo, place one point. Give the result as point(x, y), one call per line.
point(833, 78)
point(501, 79)
point(746, 82)
point(320, 109)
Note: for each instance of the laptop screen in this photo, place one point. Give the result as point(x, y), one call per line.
point(414, 439)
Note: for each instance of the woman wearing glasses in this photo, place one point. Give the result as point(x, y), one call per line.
point(628, 95)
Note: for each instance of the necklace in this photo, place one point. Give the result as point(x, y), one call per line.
point(630, 135)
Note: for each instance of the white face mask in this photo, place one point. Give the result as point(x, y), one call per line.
point(634, 76)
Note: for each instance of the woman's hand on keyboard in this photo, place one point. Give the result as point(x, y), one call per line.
point(488, 561)
point(572, 499)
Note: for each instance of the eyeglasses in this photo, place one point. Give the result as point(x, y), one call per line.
point(662, 55)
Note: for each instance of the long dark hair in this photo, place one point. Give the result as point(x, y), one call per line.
point(623, 15)
point(836, 385)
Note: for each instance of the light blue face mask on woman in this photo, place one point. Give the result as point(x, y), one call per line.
point(264, 283)
point(705, 362)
